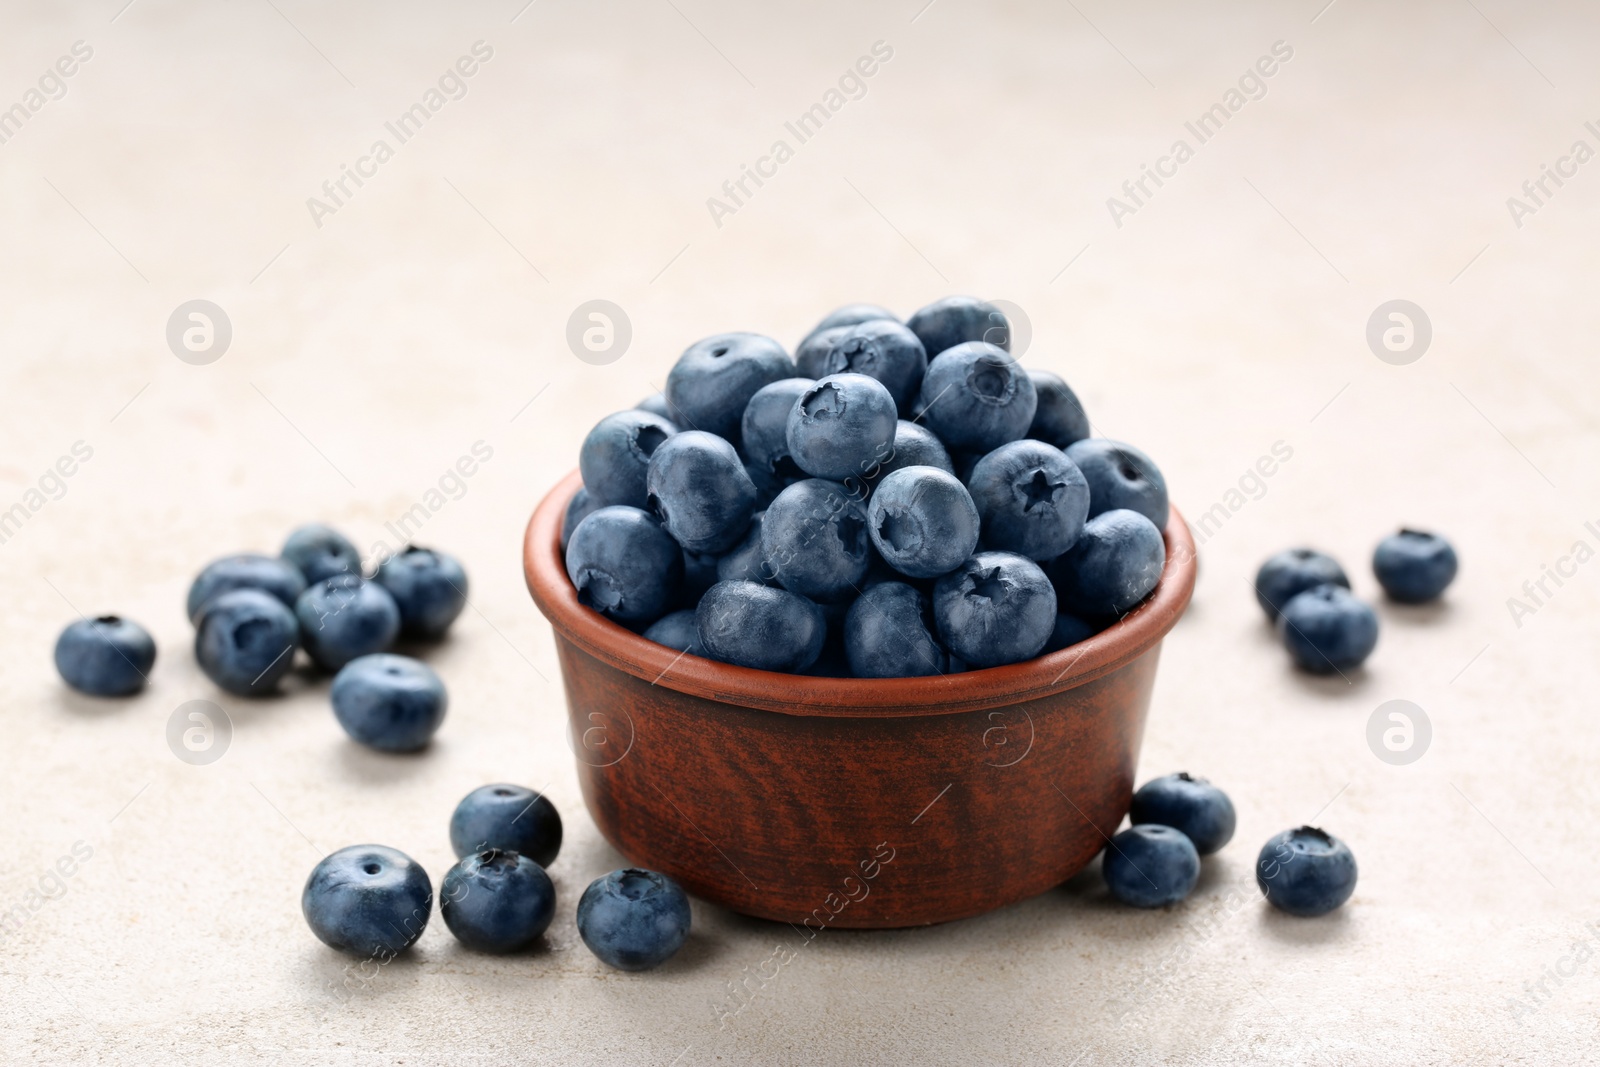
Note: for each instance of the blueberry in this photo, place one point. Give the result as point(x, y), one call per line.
point(616, 454)
point(885, 350)
point(745, 561)
point(886, 634)
point(700, 491)
point(1121, 476)
point(842, 426)
point(1031, 499)
point(1192, 806)
point(507, 817)
point(624, 565)
point(245, 641)
point(714, 379)
point(997, 608)
point(751, 625)
point(765, 427)
point(633, 919)
point(1150, 866)
point(246, 571)
point(1306, 871)
point(429, 588)
point(321, 552)
point(1414, 567)
point(1112, 566)
point(1060, 419)
point(368, 900)
point(344, 617)
point(768, 485)
point(390, 703)
point(496, 901)
point(922, 521)
point(1069, 630)
point(851, 314)
point(656, 404)
point(580, 507)
point(1326, 629)
point(814, 540)
point(1291, 572)
point(105, 657)
point(955, 320)
point(976, 398)
point(676, 630)
point(916, 446)
point(811, 358)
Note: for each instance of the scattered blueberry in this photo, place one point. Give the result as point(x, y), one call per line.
point(1326, 629)
point(1111, 567)
point(1121, 476)
point(1031, 499)
point(387, 702)
point(1306, 872)
point(429, 588)
point(624, 565)
point(841, 426)
point(715, 378)
point(997, 608)
point(507, 817)
point(245, 641)
point(765, 427)
point(321, 552)
point(368, 900)
point(633, 919)
point(976, 398)
point(922, 521)
point(885, 350)
point(1414, 567)
point(1060, 419)
point(886, 634)
point(814, 539)
point(1150, 866)
point(246, 571)
point(105, 657)
point(496, 901)
point(956, 320)
point(751, 625)
point(1291, 572)
point(344, 617)
point(580, 507)
point(699, 490)
point(1069, 630)
point(616, 454)
point(1193, 806)
point(677, 630)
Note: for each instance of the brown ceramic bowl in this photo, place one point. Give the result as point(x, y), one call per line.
point(853, 802)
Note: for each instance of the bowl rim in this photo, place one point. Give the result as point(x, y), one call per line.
point(803, 695)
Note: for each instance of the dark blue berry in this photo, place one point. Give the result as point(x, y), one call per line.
point(320, 552)
point(1306, 872)
point(677, 630)
point(922, 521)
point(624, 565)
point(496, 901)
point(344, 617)
point(1150, 866)
point(1059, 419)
point(1414, 567)
point(579, 508)
point(887, 634)
point(885, 350)
point(107, 656)
point(1326, 629)
point(715, 378)
point(699, 490)
point(997, 608)
point(1291, 572)
point(246, 571)
point(814, 540)
point(1121, 476)
point(976, 398)
point(1193, 806)
point(765, 427)
point(616, 454)
point(429, 588)
point(368, 900)
point(1112, 566)
point(1069, 630)
point(633, 919)
point(390, 703)
point(511, 818)
point(811, 358)
point(841, 426)
point(245, 641)
point(751, 625)
point(1031, 499)
point(956, 320)
point(745, 561)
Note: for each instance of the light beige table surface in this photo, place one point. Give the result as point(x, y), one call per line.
point(380, 338)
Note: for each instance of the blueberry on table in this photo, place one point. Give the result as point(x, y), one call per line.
point(765, 427)
point(1031, 498)
point(1306, 872)
point(1193, 806)
point(715, 378)
point(955, 320)
point(677, 630)
point(344, 617)
point(368, 900)
point(496, 901)
point(1150, 866)
point(745, 561)
point(885, 350)
point(842, 426)
point(814, 540)
point(1414, 567)
point(390, 703)
point(108, 656)
point(616, 453)
point(580, 507)
point(700, 491)
point(1121, 476)
point(1069, 630)
point(1059, 419)
point(976, 398)
point(1326, 629)
point(624, 565)
point(887, 635)
point(922, 521)
point(429, 587)
point(751, 625)
point(996, 608)
point(1291, 572)
point(1112, 566)
point(247, 570)
point(633, 919)
point(510, 818)
point(320, 551)
point(245, 641)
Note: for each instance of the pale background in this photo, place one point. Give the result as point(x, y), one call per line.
point(430, 312)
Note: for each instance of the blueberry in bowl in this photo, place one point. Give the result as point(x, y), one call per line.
point(697, 486)
point(1120, 476)
point(624, 565)
point(715, 378)
point(954, 320)
point(922, 521)
point(885, 350)
point(996, 608)
point(976, 398)
point(616, 455)
point(841, 425)
point(1112, 567)
point(814, 540)
point(1032, 499)
point(765, 428)
point(1059, 419)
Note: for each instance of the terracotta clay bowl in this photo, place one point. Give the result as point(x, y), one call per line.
point(836, 802)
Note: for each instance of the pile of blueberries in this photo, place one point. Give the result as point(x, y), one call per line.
point(374, 902)
point(1179, 818)
point(1307, 596)
point(896, 499)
